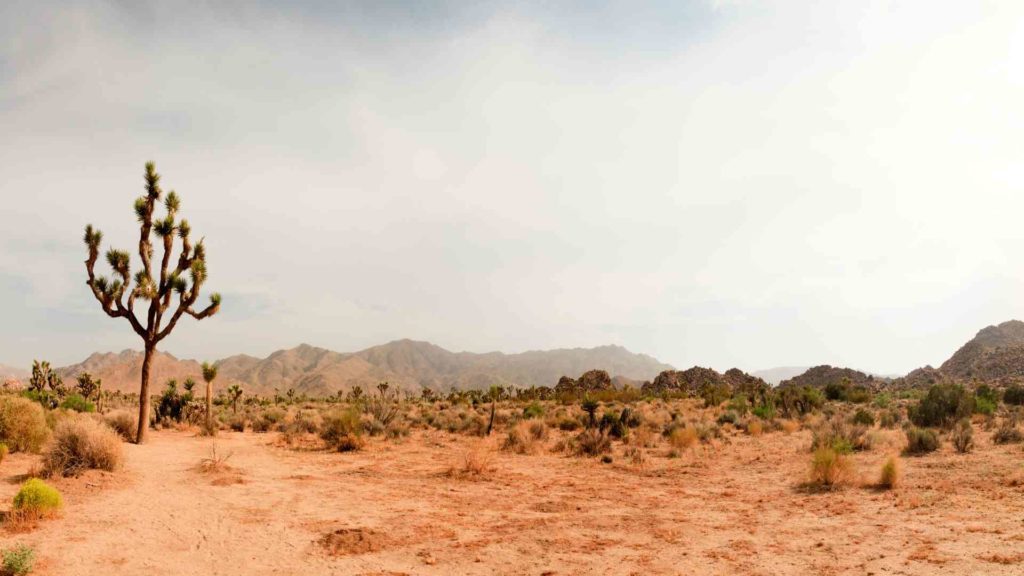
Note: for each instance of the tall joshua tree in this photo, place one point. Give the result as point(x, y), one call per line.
point(157, 320)
point(209, 375)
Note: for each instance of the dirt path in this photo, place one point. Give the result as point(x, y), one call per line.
point(392, 510)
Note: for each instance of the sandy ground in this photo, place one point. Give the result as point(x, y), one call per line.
point(734, 509)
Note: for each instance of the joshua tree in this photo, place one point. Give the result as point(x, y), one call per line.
point(88, 386)
point(209, 375)
point(234, 393)
point(157, 319)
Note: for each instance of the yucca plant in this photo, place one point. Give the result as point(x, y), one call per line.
point(234, 393)
point(156, 283)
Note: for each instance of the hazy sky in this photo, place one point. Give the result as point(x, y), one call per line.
point(717, 183)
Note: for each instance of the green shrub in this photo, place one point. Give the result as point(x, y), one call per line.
point(863, 417)
point(728, 417)
point(36, 499)
point(890, 418)
point(840, 436)
point(986, 406)
point(764, 411)
point(921, 440)
point(22, 424)
point(858, 395)
point(1014, 394)
point(83, 444)
point(890, 476)
point(883, 400)
point(342, 431)
point(533, 410)
point(18, 561)
point(944, 405)
point(77, 403)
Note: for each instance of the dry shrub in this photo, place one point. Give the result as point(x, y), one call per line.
point(342, 431)
point(300, 423)
point(519, 440)
point(538, 431)
point(267, 420)
point(890, 476)
point(963, 436)
point(636, 456)
point(789, 426)
point(475, 463)
point(643, 437)
point(830, 469)
point(1007, 433)
point(683, 438)
point(841, 436)
point(216, 462)
point(124, 423)
point(921, 440)
point(83, 444)
point(3, 452)
point(755, 427)
point(591, 442)
point(22, 424)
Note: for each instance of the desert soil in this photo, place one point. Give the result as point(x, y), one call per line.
point(737, 508)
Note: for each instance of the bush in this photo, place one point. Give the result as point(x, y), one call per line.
point(890, 418)
point(35, 500)
point(18, 561)
point(963, 436)
point(267, 420)
point(519, 440)
point(921, 440)
point(533, 410)
point(764, 412)
point(830, 468)
point(3, 452)
point(591, 442)
point(1007, 433)
point(342, 431)
point(890, 476)
point(1014, 394)
point(22, 424)
point(984, 406)
point(755, 427)
point(863, 417)
point(237, 423)
point(683, 437)
point(124, 423)
point(77, 403)
point(729, 417)
point(840, 436)
point(82, 444)
point(944, 405)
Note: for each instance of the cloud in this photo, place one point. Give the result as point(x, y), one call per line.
point(714, 183)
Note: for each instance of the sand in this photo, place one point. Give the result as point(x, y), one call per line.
point(735, 508)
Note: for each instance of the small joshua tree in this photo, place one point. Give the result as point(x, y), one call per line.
point(88, 386)
point(209, 375)
point(158, 290)
point(234, 393)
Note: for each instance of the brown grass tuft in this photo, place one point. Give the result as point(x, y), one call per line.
point(81, 444)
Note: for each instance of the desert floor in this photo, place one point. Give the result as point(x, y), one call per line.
point(735, 508)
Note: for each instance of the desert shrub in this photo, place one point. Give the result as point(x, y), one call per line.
point(568, 424)
point(83, 444)
point(739, 404)
point(396, 430)
point(299, 423)
point(267, 420)
point(858, 395)
point(890, 476)
point(18, 561)
point(519, 440)
point(538, 430)
point(789, 426)
point(1014, 394)
point(1007, 433)
point(36, 499)
point(883, 400)
point(963, 436)
point(237, 423)
point(3, 452)
point(342, 430)
point(615, 424)
point(830, 469)
point(764, 411)
point(591, 442)
point(636, 456)
point(890, 418)
point(77, 403)
point(533, 410)
point(728, 417)
point(475, 463)
point(942, 406)
point(840, 436)
point(863, 417)
point(985, 406)
point(683, 437)
point(921, 440)
point(22, 424)
point(755, 427)
point(124, 423)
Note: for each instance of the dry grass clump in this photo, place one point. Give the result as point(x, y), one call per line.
point(124, 423)
point(267, 420)
point(343, 431)
point(1007, 433)
point(830, 469)
point(921, 441)
point(22, 424)
point(841, 436)
point(755, 427)
point(525, 437)
point(683, 438)
point(216, 462)
point(4, 450)
point(636, 456)
point(963, 436)
point(300, 423)
point(83, 444)
point(891, 472)
point(590, 442)
point(789, 426)
point(475, 463)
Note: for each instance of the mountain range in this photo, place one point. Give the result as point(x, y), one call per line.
point(407, 364)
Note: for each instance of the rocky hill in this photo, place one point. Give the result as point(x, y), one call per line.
point(821, 376)
point(996, 352)
point(407, 364)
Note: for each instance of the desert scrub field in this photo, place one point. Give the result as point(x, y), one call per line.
point(469, 482)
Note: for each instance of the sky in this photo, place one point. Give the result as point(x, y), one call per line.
point(715, 183)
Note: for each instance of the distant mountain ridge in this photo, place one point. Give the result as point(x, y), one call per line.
point(407, 364)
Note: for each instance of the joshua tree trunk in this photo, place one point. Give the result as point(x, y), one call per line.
point(140, 434)
point(209, 405)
